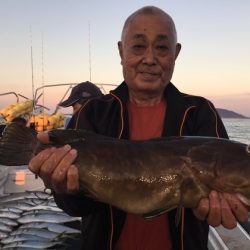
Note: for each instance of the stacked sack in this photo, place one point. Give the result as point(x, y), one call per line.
point(16, 110)
point(43, 121)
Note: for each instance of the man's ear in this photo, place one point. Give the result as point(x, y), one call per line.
point(120, 50)
point(177, 49)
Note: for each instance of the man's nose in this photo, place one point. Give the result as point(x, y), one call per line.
point(149, 56)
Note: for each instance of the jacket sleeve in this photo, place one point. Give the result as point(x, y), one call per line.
point(77, 204)
point(207, 122)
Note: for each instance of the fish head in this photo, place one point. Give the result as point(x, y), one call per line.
point(223, 165)
point(248, 149)
point(235, 176)
point(237, 184)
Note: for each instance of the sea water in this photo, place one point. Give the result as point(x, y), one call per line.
point(238, 129)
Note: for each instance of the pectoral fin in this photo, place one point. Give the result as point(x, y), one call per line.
point(157, 213)
point(187, 185)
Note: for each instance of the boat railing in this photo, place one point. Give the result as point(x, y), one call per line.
point(103, 87)
point(221, 238)
point(11, 93)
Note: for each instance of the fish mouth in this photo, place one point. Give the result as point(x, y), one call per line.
point(248, 149)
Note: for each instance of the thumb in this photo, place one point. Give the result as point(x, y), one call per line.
point(43, 138)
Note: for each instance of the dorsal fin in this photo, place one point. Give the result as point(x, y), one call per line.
point(17, 144)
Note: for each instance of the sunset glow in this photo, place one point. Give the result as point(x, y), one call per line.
point(75, 41)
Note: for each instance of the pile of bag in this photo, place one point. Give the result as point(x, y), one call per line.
point(43, 121)
point(17, 109)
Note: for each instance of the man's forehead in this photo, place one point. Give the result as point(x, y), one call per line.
point(149, 21)
point(141, 18)
point(156, 24)
point(142, 36)
point(139, 29)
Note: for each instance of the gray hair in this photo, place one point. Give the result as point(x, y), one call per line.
point(149, 10)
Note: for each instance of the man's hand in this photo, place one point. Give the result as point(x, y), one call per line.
point(55, 167)
point(221, 209)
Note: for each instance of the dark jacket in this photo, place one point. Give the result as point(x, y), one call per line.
point(185, 115)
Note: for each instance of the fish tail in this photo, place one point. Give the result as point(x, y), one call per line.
point(17, 144)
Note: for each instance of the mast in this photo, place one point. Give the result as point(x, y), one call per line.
point(89, 54)
point(32, 70)
point(42, 70)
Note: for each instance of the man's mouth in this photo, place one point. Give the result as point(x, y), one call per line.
point(149, 75)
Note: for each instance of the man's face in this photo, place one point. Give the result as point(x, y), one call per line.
point(148, 51)
point(76, 106)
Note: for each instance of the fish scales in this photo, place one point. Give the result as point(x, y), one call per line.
point(145, 177)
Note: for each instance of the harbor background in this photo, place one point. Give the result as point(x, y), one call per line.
point(238, 129)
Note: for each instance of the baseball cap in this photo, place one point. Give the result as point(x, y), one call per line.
point(81, 91)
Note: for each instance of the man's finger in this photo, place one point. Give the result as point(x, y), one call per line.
point(36, 163)
point(72, 179)
point(53, 161)
point(59, 175)
point(201, 211)
point(43, 138)
point(227, 217)
point(214, 216)
point(238, 209)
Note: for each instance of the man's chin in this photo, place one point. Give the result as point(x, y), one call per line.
point(145, 77)
point(146, 83)
point(147, 87)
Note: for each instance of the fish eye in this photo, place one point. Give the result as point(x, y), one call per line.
point(248, 149)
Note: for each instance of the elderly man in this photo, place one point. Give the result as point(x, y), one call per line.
point(146, 105)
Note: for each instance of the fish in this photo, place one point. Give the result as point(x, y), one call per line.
point(11, 209)
point(24, 195)
point(41, 232)
point(43, 211)
point(31, 245)
point(44, 207)
point(4, 227)
point(47, 217)
point(3, 234)
point(9, 222)
point(9, 214)
point(21, 205)
point(148, 177)
point(23, 237)
point(54, 227)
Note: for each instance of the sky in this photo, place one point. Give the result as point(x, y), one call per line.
point(46, 42)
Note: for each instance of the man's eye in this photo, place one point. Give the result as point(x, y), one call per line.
point(138, 46)
point(162, 47)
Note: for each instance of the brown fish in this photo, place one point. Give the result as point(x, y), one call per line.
point(143, 177)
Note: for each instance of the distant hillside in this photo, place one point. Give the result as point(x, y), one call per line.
point(224, 113)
